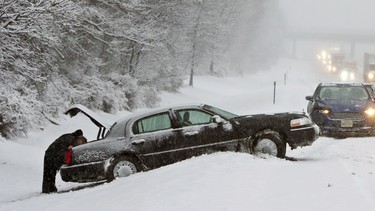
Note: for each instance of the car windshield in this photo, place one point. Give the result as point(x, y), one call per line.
point(225, 114)
point(343, 93)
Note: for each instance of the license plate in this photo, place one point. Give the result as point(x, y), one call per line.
point(346, 123)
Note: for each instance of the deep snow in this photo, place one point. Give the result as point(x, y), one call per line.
point(329, 175)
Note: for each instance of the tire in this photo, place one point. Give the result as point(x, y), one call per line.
point(269, 142)
point(122, 166)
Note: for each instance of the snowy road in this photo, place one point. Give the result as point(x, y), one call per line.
point(332, 174)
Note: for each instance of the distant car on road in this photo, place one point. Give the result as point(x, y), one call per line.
point(342, 109)
point(150, 139)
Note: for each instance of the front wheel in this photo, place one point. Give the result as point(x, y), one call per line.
point(122, 166)
point(269, 142)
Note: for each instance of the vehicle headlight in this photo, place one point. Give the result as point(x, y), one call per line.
point(329, 67)
point(344, 75)
point(370, 112)
point(300, 122)
point(324, 54)
point(324, 111)
point(352, 76)
point(370, 76)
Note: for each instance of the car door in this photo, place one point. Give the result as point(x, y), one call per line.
point(202, 135)
point(157, 140)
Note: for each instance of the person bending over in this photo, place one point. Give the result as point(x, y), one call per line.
point(54, 157)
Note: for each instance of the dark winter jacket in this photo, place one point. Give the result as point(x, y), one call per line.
point(59, 147)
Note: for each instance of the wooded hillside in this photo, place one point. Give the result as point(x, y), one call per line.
point(114, 55)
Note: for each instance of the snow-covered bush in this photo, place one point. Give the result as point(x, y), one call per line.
point(19, 106)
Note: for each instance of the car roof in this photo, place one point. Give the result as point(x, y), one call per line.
point(341, 84)
point(147, 112)
point(102, 123)
point(74, 109)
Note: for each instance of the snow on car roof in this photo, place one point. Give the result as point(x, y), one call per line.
point(148, 111)
point(341, 84)
point(101, 122)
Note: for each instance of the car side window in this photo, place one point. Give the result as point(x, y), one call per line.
point(152, 124)
point(194, 117)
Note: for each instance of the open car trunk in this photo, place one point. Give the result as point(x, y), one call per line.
point(101, 123)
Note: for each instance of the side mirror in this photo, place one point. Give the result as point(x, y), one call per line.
point(217, 119)
point(309, 98)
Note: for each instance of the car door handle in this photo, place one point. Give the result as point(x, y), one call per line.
point(191, 133)
point(138, 142)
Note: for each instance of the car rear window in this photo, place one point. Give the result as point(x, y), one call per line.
point(117, 129)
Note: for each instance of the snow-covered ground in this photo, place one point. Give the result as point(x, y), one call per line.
point(329, 175)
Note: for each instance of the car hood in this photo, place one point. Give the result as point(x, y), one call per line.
point(346, 105)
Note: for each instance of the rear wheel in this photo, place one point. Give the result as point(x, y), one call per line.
point(123, 166)
point(269, 142)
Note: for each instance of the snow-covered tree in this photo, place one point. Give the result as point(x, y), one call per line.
point(26, 60)
point(107, 54)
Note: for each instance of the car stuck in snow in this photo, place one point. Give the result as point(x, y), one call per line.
point(158, 137)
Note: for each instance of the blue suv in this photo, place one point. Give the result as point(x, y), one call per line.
point(342, 109)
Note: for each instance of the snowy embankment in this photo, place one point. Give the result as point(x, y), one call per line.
point(329, 175)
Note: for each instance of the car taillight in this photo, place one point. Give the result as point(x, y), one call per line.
point(68, 156)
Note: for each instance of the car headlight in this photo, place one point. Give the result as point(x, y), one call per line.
point(324, 54)
point(370, 112)
point(344, 75)
point(352, 76)
point(300, 122)
point(324, 111)
point(329, 67)
point(370, 76)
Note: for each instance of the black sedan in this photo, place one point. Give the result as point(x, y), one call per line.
point(155, 138)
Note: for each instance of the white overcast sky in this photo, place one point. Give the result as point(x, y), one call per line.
point(336, 15)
